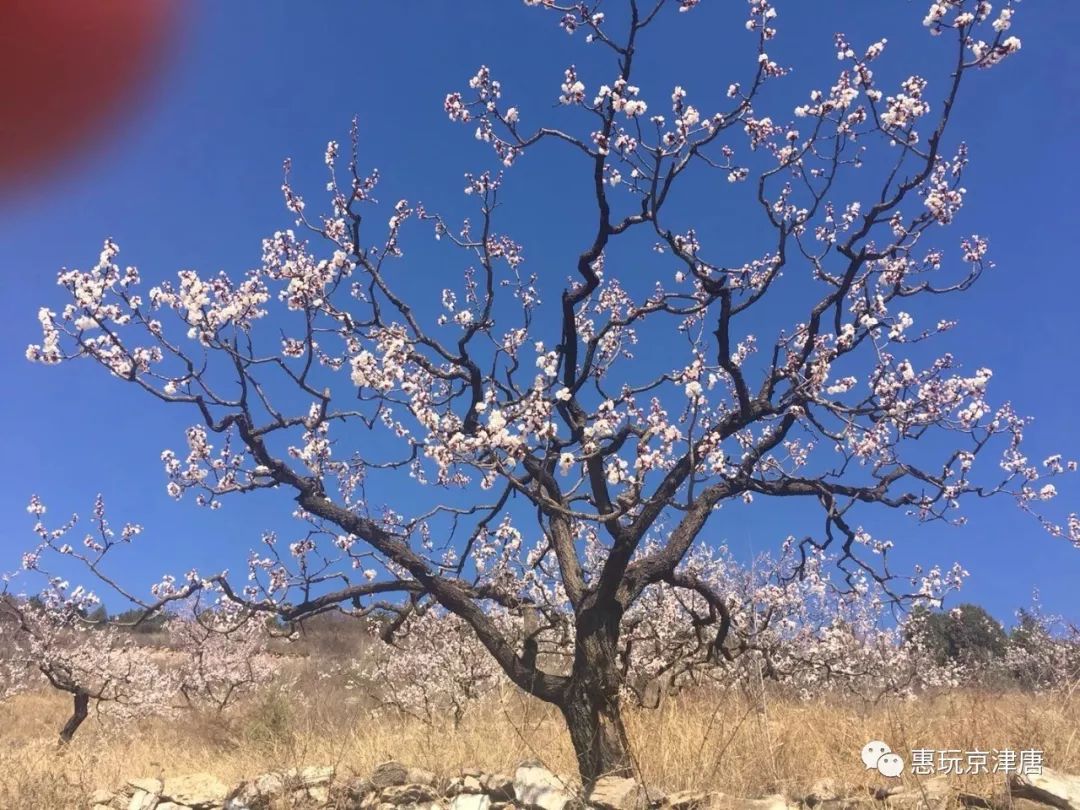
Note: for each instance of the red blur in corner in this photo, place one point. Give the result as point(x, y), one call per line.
point(71, 69)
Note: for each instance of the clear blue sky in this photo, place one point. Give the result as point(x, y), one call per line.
point(190, 177)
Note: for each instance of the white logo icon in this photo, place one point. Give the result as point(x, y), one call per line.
point(877, 756)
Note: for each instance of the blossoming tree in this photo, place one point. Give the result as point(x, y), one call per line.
point(213, 653)
point(804, 637)
point(518, 454)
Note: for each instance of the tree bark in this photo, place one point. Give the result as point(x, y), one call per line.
point(590, 703)
point(79, 713)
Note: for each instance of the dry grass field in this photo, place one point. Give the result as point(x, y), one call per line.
point(726, 742)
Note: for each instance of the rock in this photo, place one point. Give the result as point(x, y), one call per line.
point(141, 794)
point(849, 803)
point(311, 783)
point(700, 800)
point(169, 806)
point(827, 794)
point(418, 776)
point(467, 783)
point(268, 784)
point(197, 790)
point(694, 800)
point(823, 790)
point(499, 787)
point(355, 788)
point(687, 800)
point(774, 801)
point(142, 800)
point(268, 789)
point(146, 785)
point(933, 794)
point(389, 774)
point(618, 793)
point(101, 797)
point(408, 794)
point(537, 787)
point(310, 776)
point(101, 807)
point(471, 801)
point(1050, 787)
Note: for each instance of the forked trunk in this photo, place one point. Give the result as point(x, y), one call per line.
point(590, 704)
point(79, 713)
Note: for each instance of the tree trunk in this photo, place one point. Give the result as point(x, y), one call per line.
point(598, 735)
point(590, 704)
point(79, 713)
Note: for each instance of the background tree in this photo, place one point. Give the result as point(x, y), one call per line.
point(1043, 650)
point(966, 634)
point(136, 620)
point(60, 637)
point(504, 447)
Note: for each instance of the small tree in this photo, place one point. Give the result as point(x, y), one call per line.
point(1043, 650)
point(51, 642)
point(60, 637)
point(469, 458)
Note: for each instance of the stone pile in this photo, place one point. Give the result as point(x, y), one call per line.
point(393, 786)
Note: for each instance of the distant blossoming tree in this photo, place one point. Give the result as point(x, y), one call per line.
point(464, 448)
point(211, 655)
point(803, 636)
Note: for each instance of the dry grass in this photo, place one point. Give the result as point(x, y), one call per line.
point(725, 742)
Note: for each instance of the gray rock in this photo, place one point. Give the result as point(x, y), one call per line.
point(823, 790)
point(310, 776)
point(467, 783)
point(255, 794)
point(471, 801)
point(418, 776)
point(355, 788)
point(1051, 787)
point(148, 785)
point(142, 800)
point(699, 800)
point(537, 787)
point(408, 794)
point(498, 786)
point(774, 801)
point(389, 774)
point(687, 800)
point(105, 797)
point(618, 793)
point(197, 790)
point(933, 794)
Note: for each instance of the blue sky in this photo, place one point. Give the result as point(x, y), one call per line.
point(189, 177)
